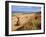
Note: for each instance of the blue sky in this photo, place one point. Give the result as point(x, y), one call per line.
point(26, 8)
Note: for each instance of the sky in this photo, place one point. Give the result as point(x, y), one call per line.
point(26, 8)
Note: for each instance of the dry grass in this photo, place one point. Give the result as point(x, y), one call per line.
point(26, 22)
